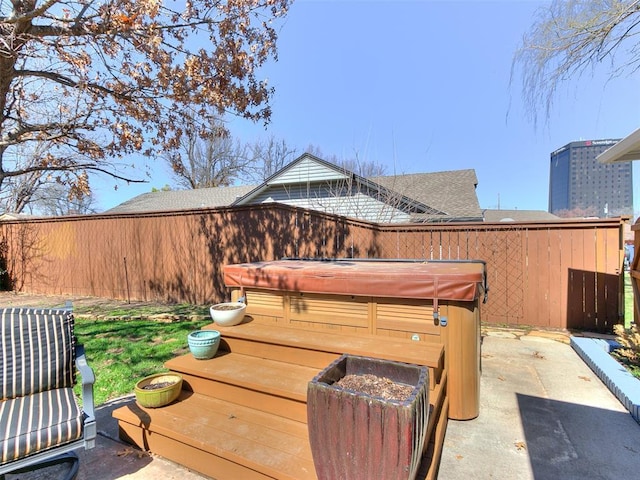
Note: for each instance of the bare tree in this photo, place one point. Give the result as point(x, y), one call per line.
point(100, 81)
point(364, 168)
point(55, 199)
point(18, 192)
point(578, 212)
point(271, 155)
point(209, 159)
point(569, 38)
point(24, 192)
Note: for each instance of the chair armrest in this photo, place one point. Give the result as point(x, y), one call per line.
point(88, 379)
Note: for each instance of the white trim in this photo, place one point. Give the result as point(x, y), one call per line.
point(625, 150)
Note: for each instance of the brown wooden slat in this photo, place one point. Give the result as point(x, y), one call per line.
point(264, 302)
point(329, 310)
point(437, 397)
point(420, 353)
point(254, 373)
point(186, 455)
point(431, 459)
point(405, 316)
point(178, 256)
point(257, 441)
point(281, 406)
point(271, 396)
point(283, 353)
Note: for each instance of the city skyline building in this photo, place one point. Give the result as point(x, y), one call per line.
point(582, 186)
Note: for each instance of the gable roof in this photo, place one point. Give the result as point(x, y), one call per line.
point(452, 192)
point(309, 169)
point(427, 197)
point(182, 199)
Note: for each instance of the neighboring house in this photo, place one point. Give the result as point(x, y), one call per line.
point(312, 183)
point(498, 215)
point(452, 192)
point(169, 200)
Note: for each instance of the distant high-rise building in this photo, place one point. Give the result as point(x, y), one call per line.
point(581, 185)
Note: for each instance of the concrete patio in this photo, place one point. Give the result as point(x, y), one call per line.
point(544, 415)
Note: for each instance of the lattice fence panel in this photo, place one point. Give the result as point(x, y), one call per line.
point(502, 250)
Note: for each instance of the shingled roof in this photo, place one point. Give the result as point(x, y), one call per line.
point(169, 200)
point(453, 192)
point(450, 195)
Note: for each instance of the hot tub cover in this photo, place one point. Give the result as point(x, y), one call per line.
point(444, 280)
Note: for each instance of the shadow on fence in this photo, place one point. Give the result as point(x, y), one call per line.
point(559, 275)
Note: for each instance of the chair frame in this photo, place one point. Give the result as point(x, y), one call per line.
point(65, 453)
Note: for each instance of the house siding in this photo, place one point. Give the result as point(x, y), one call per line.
point(336, 199)
point(307, 170)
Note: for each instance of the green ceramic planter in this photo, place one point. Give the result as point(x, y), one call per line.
point(204, 343)
point(151, 393)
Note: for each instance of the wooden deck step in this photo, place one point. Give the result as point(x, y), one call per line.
point(242, 414)
point(267, 385)
point(220, 439)
point(285, 344)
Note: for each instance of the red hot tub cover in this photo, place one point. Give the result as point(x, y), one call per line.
point(460, 281)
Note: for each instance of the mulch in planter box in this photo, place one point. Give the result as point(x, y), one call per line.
point(372, 435)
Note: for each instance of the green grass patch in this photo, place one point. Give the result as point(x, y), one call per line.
point(628, 354)
point(632, 365)
point(124, 351)
point(141, 310)
point(628, 300)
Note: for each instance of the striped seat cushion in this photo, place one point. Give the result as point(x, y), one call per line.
point(37, 349)
point(36, 422)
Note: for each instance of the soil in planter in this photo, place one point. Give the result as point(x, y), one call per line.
point(227, 307)
point(376, 386)
point(157, 386)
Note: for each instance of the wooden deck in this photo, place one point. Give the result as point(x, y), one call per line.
point(242, 414)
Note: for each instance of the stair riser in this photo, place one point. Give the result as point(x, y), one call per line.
point(296, 355)
point(281, 353)
point(193, 458)
point(281, 406)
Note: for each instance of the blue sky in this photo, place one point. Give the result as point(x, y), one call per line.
point(424, 86)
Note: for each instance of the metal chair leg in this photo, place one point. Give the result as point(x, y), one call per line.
point(69, 457)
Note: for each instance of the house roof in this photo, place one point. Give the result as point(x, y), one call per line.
point(309, 168)
point(439, 196)
point(625, 150)
point(452, 192)
point(182, 199)
point(498, 215)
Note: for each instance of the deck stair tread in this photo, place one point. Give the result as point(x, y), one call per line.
point(242, 414)
point(389, 348)
point(273, 445)
point(254, 373)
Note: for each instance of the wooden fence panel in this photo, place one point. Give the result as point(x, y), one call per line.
point(558, 275)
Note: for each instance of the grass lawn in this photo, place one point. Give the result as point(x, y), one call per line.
point(121, 352)
point(628, 300)
point(629, 354)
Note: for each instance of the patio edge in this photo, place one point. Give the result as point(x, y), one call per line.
point(595, 353)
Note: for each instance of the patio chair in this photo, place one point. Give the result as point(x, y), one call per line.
point(41, 423)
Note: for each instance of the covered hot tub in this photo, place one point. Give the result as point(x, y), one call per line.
point(425, 301)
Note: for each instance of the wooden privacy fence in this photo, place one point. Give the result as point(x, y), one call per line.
point(561, 275)
point(634, 271)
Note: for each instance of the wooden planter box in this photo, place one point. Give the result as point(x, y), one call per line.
point(357, 436)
